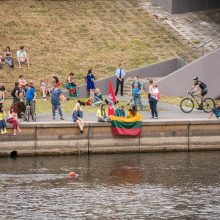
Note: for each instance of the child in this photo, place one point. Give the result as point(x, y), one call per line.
point(120, 112)
point(216, 111)
point(2, 121)
point(44, 88)
point(13, 119)
point(101, 114)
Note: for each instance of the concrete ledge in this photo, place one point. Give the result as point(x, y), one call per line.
point(157, 136)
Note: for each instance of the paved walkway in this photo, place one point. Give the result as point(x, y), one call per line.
point(194, 27)
point(168, 112)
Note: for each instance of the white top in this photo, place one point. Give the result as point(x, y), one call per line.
point(154, 92)
point(21, 53)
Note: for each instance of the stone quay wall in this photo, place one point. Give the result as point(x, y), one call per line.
point(37, 139)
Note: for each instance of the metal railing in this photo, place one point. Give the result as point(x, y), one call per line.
point(204, 48)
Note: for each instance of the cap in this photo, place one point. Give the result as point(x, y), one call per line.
point(195, 78)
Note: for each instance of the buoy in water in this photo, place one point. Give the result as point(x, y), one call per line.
point(72, 174)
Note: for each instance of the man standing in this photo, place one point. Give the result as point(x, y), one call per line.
point(120, 74)
point(136, 89)
point(30, 95)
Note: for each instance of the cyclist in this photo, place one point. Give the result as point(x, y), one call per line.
point(30, 98)
point(203, 90)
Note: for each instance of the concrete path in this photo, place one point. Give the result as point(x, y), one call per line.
point(168, 112)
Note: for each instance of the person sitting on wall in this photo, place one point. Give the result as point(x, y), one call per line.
point(101, 114)
point(98, 98)
point(120, 112)
point(77, 117)
point(132, 111)
point(216, 111)
point(19, 108)
point(71, 85)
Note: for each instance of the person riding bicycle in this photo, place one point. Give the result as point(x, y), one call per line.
point(203, 90)
point(30, 94)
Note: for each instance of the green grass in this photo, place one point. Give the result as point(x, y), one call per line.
point(63, 36)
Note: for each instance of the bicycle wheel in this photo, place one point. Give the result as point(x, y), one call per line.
point(187, 105)
point(208, 105)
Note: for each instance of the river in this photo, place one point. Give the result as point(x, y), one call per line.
point(122, 186)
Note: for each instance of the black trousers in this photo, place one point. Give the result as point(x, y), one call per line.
point(121, 83)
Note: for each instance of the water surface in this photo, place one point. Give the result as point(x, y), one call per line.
point(127, 186)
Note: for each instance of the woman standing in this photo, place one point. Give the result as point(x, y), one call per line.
point(90, 78)
point(77, 117)
point(154, 97)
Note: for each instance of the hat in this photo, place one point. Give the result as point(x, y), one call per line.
point(195, 78)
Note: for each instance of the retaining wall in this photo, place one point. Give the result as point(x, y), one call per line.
point(157, 136)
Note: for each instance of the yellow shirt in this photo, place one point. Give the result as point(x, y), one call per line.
point(2, 116)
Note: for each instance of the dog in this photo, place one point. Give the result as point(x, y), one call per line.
point(19, 108)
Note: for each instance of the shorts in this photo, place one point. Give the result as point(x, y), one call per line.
point(204, 92)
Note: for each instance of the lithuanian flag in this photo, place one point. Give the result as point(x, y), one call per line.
point(126, 126)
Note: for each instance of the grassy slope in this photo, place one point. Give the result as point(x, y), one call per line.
point(73, 35)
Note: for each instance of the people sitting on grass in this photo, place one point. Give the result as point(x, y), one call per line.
point(44, 88)
point(120, 112)
point(101, 114)
point(56, 96)
point(8, 57)
point(77, 117)
point(216, 111)
point(71, 85)
point(13, 119)
point(2, 121)
point(22, 57)
point(98, 97)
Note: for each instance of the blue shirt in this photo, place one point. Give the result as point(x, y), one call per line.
point(90, 81)
point(30, 94)
point(120, 72)
point(55, 97)
point(77, 114)
point(136, 87)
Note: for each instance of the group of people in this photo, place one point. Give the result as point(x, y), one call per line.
point(8, 57)
point(24, 94)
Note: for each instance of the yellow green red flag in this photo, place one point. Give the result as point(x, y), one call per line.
point(130, 126)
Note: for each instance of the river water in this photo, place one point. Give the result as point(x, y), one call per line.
point(127, 186)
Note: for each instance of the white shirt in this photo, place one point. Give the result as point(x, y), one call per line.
point(21, 54)
point(155, 92)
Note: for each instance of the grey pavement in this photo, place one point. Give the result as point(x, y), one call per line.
point(167, 111)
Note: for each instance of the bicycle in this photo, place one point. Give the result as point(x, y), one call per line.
point(30, 111)
point(187, 104)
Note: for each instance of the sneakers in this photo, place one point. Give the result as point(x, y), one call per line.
point(81, 131)
point(61, 118)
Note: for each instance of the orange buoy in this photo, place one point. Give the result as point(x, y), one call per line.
point(72, 174)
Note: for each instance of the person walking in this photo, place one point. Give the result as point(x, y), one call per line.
point(136, 89)
point(120, 74)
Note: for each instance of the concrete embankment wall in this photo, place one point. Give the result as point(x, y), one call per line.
point(157, 136)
